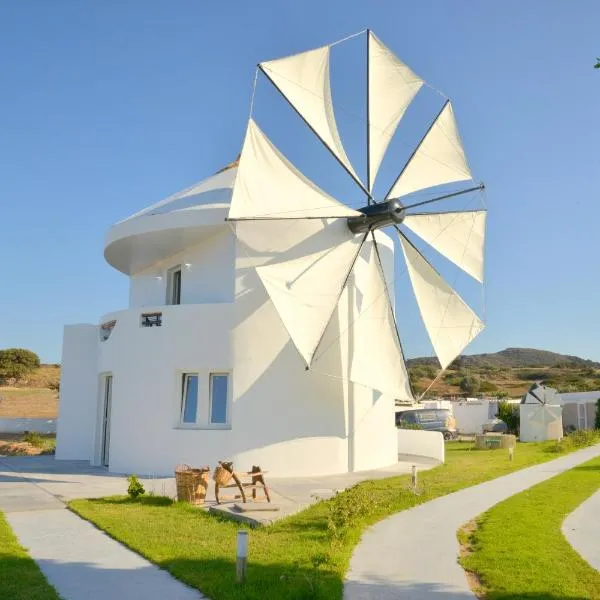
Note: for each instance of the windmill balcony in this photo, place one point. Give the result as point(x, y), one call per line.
point(151, 337)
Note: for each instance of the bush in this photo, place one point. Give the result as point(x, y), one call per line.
point(470, 384)
point(511, 415)
point(402, 425)
point(15, 363)
point(135, 488)
point(597, 423)
point(502, 394)
point(487, 386)
point(578, 439)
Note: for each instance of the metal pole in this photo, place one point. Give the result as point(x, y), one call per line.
point(368, 124)
point(416, 149)
point(356, 180)
point(481, 186)
point(241, 556)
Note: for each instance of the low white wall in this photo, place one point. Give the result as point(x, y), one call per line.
point(470, 416)
point(22, 425)
point(429, 444)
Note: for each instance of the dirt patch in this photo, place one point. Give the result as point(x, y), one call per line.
point(465, 539)
point(12, 444)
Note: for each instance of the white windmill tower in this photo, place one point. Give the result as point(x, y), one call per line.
point(320, 261)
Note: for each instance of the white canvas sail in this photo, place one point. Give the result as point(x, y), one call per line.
point(439, 159)
point(392, 86)
point(304, 80)
point(459, 236)
point(450, 322)
point(306, 288)
point(368, 332)
point(269, 186)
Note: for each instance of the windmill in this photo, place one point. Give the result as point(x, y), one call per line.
point(316, 250)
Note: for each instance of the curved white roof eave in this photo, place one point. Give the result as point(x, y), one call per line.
point(171, 225)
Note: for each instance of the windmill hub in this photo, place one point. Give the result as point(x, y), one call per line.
point(374, 216)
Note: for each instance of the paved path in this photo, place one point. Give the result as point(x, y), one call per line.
point(413, 554)
point(582, 530)
point(85, 564)
point(80, 561)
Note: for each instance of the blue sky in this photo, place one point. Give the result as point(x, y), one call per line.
point(107, 107)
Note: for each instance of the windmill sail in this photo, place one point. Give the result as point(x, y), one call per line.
point(306, 288)
point(392, 86)
point(439, 158)
point(269, 186)
point(459, 236)
point(376, 359)
point(303, 79)
point(450, 322)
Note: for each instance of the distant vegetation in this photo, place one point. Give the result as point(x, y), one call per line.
point(16, 363)
point(508, 373)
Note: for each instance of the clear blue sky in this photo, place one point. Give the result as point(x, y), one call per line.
point(106, 107)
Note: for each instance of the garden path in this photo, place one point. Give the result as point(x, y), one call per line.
point(413, 554)
point(582, 530)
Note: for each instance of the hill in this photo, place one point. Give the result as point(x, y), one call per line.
point(36, 396)
point(509, 372)
point(512, 358)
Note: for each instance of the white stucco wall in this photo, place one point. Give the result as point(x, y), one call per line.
point(429, 444)
point(78, 392)
point(206, 274)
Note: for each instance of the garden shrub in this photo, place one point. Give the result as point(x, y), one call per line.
point(135, 488)
point(511, 415)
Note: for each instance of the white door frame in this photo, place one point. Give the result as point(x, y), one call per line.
point(107, 385)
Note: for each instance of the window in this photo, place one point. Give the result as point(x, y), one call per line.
point(174, 285)
point(189, 398)
point(219, 393)
point(151, 320)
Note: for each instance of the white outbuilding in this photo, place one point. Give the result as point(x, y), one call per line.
point(199, 366)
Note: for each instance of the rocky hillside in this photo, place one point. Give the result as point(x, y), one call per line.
point(509, 372)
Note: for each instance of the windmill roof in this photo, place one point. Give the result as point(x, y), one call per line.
point(214, 190)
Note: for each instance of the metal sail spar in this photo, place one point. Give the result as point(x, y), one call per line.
point(459, 236)
point(306, 281)
point(365, 324)
point(439, 158)
point(303, 80)
point(269, 186)
point(392, 85)
point(451, 324)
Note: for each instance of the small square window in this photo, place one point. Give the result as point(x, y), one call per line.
point(174, 285)
point(219, 394)
point(189, 398)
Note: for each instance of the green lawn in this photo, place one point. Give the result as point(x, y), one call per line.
point(518, 550)
point(20, 577)
point(298, 557)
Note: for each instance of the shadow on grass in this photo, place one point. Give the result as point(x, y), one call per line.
point(587, 468)
point(125, 500)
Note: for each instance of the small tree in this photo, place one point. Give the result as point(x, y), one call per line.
point(597, 423)
point(17, 362)
point(597, 65)
point(511, 415)
point(470, 384)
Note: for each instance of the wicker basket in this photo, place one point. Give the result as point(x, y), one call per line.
point(223, 473)
point(191, 484)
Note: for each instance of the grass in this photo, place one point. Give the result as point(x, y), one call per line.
point(518, 551)
point(303, 556)
point(28, 402)
point(20, 577)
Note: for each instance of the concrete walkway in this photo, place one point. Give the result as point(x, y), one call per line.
point(413, 554)
point(582, 530)
point(80, 561)
point(85, 564)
